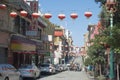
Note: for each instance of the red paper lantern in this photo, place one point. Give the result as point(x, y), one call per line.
point(74, 15)
point(13, 14)
point(2, 6)
point(88, 14)
point(61, 16)
point(23, 13)
point(47, 15)
point(35, 15)
point(58, 33)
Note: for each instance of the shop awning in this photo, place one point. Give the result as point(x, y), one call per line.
point(22, 44)
point(25, 52)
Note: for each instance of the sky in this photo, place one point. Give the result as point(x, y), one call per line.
point(77, 27)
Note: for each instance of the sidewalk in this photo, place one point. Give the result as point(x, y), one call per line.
point(90, 75)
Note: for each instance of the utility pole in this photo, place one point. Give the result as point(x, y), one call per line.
point(111, 8)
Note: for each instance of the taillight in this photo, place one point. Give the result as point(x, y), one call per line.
point(31, 70)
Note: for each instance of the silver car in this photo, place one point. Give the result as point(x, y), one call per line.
point(47, 68)
point(29, 71)
point(9, 72)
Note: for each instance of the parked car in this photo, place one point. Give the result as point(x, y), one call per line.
point(47, 68)
point(61, 67)
point(58, 68)
point(68, 66)
point(9, 72)
point(29, 71)
point(75, 67)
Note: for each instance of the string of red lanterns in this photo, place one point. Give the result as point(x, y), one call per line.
point(61, 16)
point(46, 15)
point(23, 14)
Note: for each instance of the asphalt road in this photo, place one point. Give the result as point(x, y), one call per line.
point(69, 75)
point(78, 60)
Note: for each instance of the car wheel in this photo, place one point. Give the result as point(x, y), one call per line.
point(34, 78)
point(39, 75)
point(20, 78)
point(7, 78)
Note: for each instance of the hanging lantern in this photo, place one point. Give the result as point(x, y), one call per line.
point(74, 15)
point(47, 15)
point(2, 6)
point(111, 1)
point(35, 15)
point(61, 16)
point(13, 14)
point(111, 5)
point(23, 13)
point(88, 14)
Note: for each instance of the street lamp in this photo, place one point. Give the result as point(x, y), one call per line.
point(111, 8)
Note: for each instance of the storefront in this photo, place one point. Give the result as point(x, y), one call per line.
point(23, 50)
point(40, 53)
point(4, 42)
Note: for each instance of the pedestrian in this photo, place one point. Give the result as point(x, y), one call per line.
point(85, 69)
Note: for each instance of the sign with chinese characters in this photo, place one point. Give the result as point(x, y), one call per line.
point(49, 37)
point(34, 6)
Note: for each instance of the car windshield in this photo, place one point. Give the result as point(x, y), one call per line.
point(26, 66)
point(6, 66)
point(44, 65)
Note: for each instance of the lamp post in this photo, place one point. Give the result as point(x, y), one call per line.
point(111, 8)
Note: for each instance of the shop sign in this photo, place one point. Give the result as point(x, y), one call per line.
point(31, 33)
point(49, 37)
point(4, 38)
point(58, 33)
point(17, 46)
point(34, 6)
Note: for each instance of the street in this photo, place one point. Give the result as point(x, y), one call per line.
point(67, 75)
point(78, 60)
